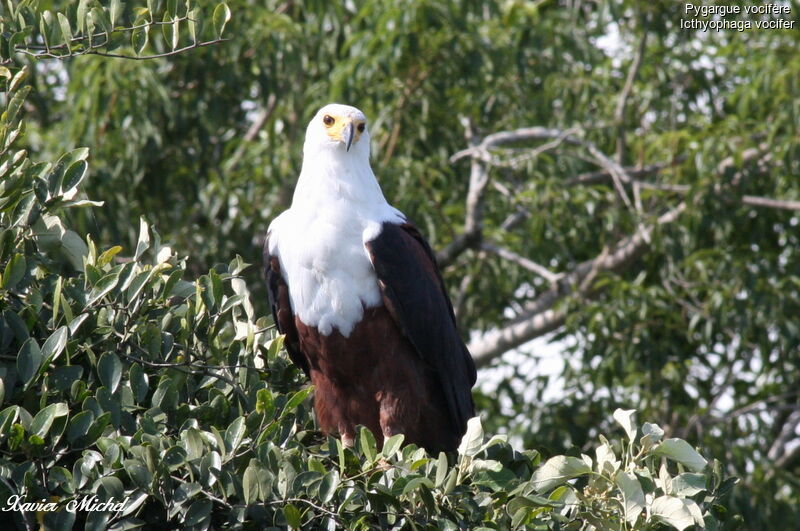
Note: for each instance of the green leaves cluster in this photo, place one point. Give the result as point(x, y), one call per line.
point(634, 485)
point(123, 380)
point(108, 28)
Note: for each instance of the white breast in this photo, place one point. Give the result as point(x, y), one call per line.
point(325, 264)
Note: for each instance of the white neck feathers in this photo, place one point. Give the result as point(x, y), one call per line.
point(337, 207)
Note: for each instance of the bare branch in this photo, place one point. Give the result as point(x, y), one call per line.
point(601, 176)
point(779, 452)
point(253, 130)
point(177, 51)
point(481, 152)
point(622, 102)
point(473, 220)
point(531, 154)
point(748, 155)
point(515, 219)
point(768, 202)
point(540, 316)
point(521, 261)
point(460, 243)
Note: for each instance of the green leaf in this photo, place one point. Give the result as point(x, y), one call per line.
point(297, 399)
point(112, 487)
point(328, 486)
point(140, 384)
point(265, 403)
point(139, 473)
point(392, 445)
point(64, 376)
point(45, 417)
point(250, 485)
point(79, 425)
point(95, 430)
point(16, 437)
point(672, 511)
point(368, 446)
point(222, 14)
point(108, 255)
point(175, 33)
point(103, 287)
point(109, 369)
point(7, 418)
point(680, 451)
point(139, 39)
point(15, 270)
point(293, 516)
point(143, 242)
point(54, 345)
point(175, 457)
point(688, 484)
point(29, 359)
point(60, 174)
point(558, 470)
point(198, 513)
point(83, 7)
point(76, 323)
point(441, 469)
point(624, 418)
point(633, 501)
point(473, 438)
point(66, 31)
point(416, 483)
point(234, 434)
point(230, 302)
point(192, 22)
point(114, 11)
point(73, 176)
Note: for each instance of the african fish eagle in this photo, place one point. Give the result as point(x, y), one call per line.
point(357, 292)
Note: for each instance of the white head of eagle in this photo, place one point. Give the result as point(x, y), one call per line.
point(356, 289)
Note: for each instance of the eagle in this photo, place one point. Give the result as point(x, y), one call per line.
point(356, 290)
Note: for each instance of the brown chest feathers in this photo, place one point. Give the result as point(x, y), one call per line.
point(375, 378)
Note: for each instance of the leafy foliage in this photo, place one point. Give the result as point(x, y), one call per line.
point(170, 401)
point(697, 332)
point(90, 28)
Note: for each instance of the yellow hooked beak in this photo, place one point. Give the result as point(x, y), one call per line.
point(347, 134)
point(343, 129)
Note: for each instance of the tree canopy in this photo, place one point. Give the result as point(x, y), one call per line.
point(588, 172)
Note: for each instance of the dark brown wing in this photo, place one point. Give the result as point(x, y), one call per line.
point(414, 293)
point(278, 293)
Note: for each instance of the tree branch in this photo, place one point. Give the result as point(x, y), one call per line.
point(177, 51)
point(540, 316)
point(473, 220)
point(522, 261)
point(768, 202)
point(601, 176)
point(778, 452)
point(622, 102)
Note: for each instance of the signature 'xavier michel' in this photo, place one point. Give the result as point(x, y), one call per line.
point(356, 290)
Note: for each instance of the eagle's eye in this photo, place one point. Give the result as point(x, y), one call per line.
point(328, 120)
point(361, 127)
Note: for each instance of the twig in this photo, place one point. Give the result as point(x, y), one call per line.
point(622, 101)
point(768, 202)
point(778, 451)
point(90, 38)
point(540, 315)
point(48, 55)
point(522, 261)
point(473, 219)
point(601, 176)
point(253, 130)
